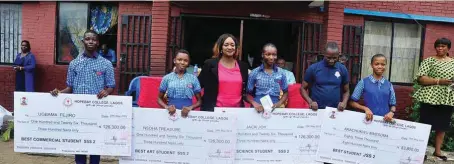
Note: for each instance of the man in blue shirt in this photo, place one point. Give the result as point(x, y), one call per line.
point(326, 80)
point(288, 74)
point(108, 53)
point(90, 74)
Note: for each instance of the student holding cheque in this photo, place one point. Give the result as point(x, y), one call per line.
point(180, 86)
point(378, 93)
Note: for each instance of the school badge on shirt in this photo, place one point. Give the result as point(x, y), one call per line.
point(99, 73)
point(190, 86)
point(337, 74)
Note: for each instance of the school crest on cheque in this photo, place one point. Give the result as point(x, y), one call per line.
point(23, 101)
point(67, 102)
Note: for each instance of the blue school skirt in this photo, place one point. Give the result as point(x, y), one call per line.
point(179, 102)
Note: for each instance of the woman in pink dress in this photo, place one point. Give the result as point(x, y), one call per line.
point(224, 78)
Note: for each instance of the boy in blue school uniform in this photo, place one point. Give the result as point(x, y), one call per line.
point(91, 74)
point(378, 93)
point(327, 81)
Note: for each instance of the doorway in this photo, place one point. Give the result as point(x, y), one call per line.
point(257, 33)
point(199, 34)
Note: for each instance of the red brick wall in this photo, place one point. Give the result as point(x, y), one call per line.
point(160, 12)
point(435, 31)
point(7, 86)
point(38, 26)
point(354, 20)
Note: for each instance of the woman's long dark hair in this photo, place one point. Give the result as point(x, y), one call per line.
point(217, 49)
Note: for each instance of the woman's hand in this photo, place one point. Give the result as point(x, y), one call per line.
point(444, 82)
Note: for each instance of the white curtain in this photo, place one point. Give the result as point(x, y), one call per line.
point(377, 40)
point(405, 48)
point(10, 31)
point(406, 52)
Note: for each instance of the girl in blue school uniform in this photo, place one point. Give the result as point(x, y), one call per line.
point(268, 79)
point(180, 87)
point(378, 93)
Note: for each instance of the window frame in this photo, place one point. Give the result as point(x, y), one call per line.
point(21, 33)
point(57, 23)
point(422, 24)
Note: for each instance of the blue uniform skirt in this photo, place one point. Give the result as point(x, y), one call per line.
point(179, 102)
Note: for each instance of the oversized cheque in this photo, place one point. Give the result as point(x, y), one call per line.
point(72, 124)
point(287, 136)
point(347, 138)
point(201, 138)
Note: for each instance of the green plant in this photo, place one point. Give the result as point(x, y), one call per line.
point(448, 144)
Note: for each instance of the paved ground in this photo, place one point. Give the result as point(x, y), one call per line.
point(7, 156)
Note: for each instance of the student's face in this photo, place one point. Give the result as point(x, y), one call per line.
point(442, 49)
point(331, 57)
point(281, 63)
point(90, 41)
point(229, 47)
point(269, 55)
point(181, 62)
point(379, 65)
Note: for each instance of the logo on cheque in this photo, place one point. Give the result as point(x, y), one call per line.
point(23, 101)
point(67, 102)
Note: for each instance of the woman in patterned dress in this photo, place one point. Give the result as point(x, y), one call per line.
point(180, 86)
point(436, 94)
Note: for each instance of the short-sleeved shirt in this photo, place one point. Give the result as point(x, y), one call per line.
point(326, 83)
point(290, 76)
point(90, 75)
point(435, 94)
point(265, 83)
point(180, 88)
point(378, 95)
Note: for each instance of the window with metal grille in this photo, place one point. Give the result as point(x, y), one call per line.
point(10, 31)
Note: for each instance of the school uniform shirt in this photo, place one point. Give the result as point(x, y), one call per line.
point(180, 90)
point(326, 83)
point(378, 94)
point(90, 75)
point(267, 84)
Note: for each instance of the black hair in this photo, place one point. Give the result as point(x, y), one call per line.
point(377, 56)
point(28, 44)
point(280, 58)
point(444, 41)
point(268, 45)
point(183, 51)
point(93, 32)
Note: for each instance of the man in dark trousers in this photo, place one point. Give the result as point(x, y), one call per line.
point(327, 81)
point(91, 74)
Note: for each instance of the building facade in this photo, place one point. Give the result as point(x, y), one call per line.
point(144, 35)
